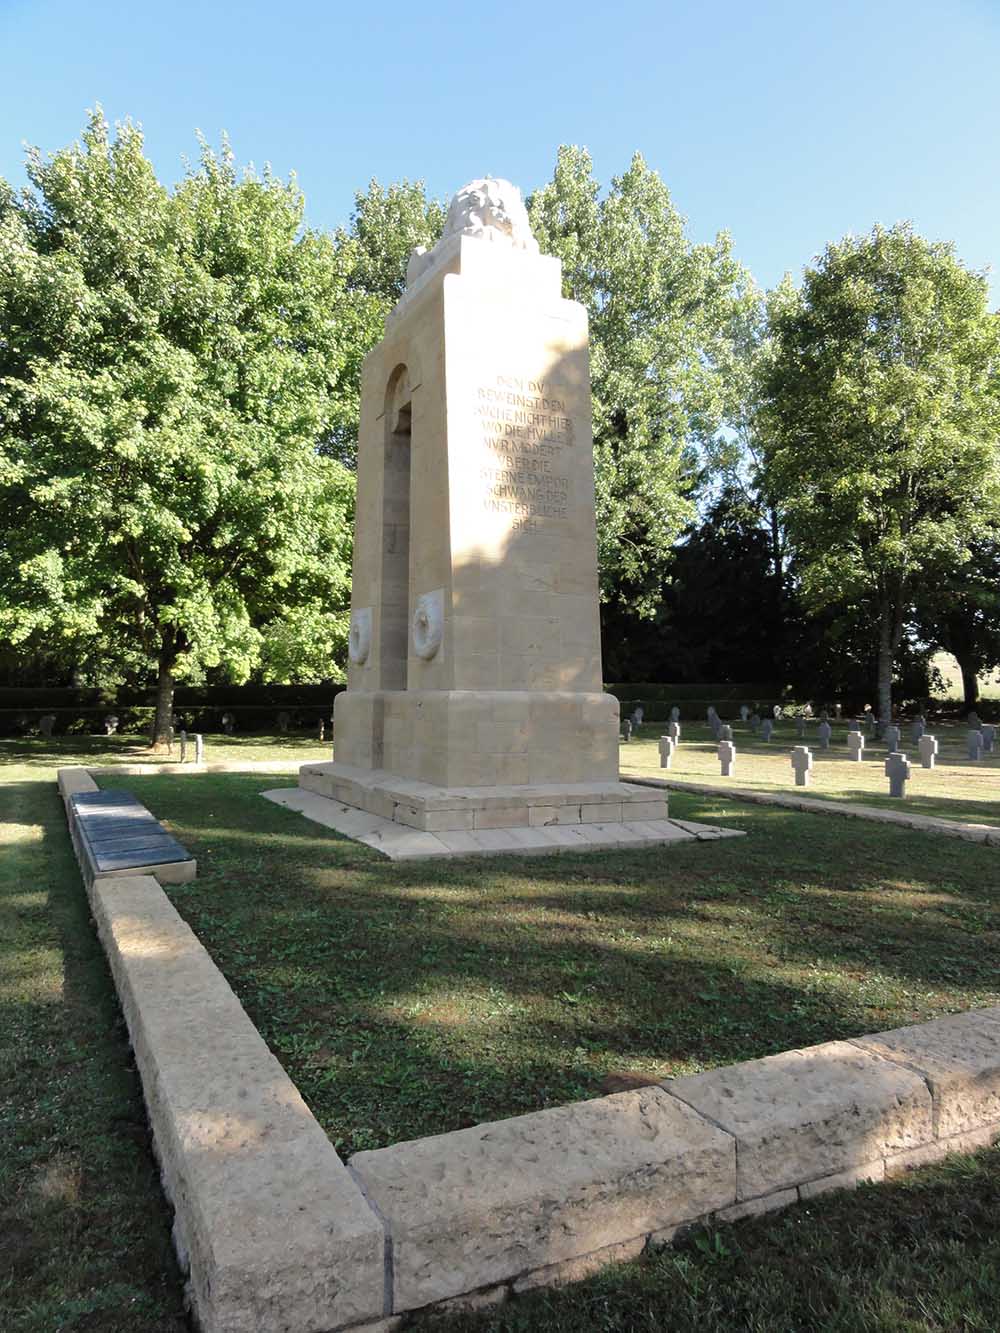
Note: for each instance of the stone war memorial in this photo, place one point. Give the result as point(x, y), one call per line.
point(474, 699)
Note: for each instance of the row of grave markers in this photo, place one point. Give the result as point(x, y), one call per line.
point(897, 765)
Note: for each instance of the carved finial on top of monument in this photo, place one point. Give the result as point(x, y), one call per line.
point(490, 209)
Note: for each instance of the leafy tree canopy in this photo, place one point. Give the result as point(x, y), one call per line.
point(880, 420)
point(664, 314)
point(168, 362)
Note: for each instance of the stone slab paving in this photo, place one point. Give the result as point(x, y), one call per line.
point(952, 828)
point(399, 842)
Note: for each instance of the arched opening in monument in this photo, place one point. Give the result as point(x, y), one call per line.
point(395, 590)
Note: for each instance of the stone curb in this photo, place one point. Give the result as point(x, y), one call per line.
point(277, 1233)
point(952, 828)
point(223, 766)
point(274, 1232)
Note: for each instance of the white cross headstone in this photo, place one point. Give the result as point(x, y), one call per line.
point(766, 728)
point(674, 731)
point(897, 770)
point(824, 731)
point(667, 747)
point(918, 730)
point(744, 712)
point(725, 732)
point(184, 746)
point(638, 715)
point(802, 762)
point(928, 747)
point(989, 735)
point(727, 757)
point(856, 746)
point(716, 726)
point(892, 738)
point(199, 748)
point(975, 744)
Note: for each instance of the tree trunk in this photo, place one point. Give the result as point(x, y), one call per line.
point(162, 722)
point(970, 682)
point(886, 652)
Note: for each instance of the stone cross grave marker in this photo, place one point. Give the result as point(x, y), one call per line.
point(766, 729)
point(111, 724)
point(638, 715)
point(284, 720)
point(184, 745)
point(856, 746)
point(322, 729)
point(974, 742)
point(626, 729)
point(989, 734)
point(824, 731)
point(199, 748)
point(228, 723)
point(667, 747)
point(674, 731)
point(897, 770)
point(918, 729)
point(716, 726)
point(928, 748)
point(675, 714)
point(744, 712)
point(892, 738)
point(727, 758)
point(802, 762)
point(46, 723)
point(725, 732)
point(800, 727)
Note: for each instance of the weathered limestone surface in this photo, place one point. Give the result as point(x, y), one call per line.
point(484, 1205)
point(959, 1057)
point(72, 780)
point(803, 1115)
point(277, 1233)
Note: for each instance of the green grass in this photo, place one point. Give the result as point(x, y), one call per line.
point(84, 1230)
point(36, 752)
point(920, 1255)
point(410, 998)
point(953, 789)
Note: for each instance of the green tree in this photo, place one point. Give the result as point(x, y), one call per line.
point(387, 225)
point(962, 615)
point(168, 362)
point(880, 424)
point(663, 316)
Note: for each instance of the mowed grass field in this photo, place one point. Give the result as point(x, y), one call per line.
point(954, 789)
point(408, 998)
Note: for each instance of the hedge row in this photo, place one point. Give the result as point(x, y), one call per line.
point(138, 720)
point(185, 696)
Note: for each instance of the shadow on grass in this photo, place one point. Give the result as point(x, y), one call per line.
point(409, 998)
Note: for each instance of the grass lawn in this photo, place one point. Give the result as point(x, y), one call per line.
point(410, 998)
point(954, 789)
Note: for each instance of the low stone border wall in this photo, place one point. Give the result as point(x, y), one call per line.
point(221, 766)
point(278, 1233)
point(951, 828)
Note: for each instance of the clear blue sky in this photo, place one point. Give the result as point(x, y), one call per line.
point(787, 123)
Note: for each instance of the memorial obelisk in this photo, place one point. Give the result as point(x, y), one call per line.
point(474, 694)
